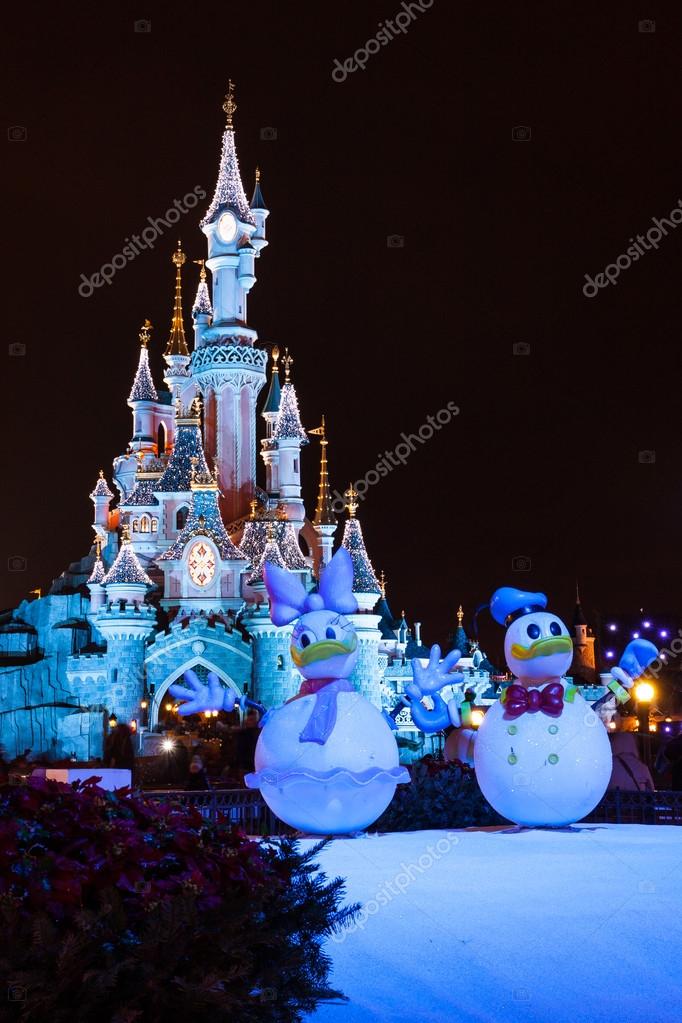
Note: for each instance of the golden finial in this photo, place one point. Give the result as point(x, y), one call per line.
point(202, 272)
point(351, 502)
point(229, 106)
point(36, 593)
point(101, 474)
point(275, 357)
point(460, 617)
point(382, 584)
point(177, 344)
point(125, 533)
point(257, 174)
point(145, 331)
point(98, 547)
point(288, 363)
point(253, 505)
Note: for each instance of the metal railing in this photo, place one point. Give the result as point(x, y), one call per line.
point(643, 807)
point(242, 807)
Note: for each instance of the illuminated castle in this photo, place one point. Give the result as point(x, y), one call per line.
point(174, 579)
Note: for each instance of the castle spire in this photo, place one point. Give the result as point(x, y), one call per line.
point(365, 583)
point(257, 200)
point(324, 512)
point(177, 345)
point(143, 388)
point(274, 391)
point(202, 303)
point(229, 190)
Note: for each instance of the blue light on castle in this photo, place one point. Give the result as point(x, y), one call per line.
point(174, 576)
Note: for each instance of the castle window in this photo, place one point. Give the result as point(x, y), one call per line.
point(280, 662)
point(161, 439)
point(295, 464)
point(136, 526)
point(144, 524)
point(155, 525)
point(181, 517)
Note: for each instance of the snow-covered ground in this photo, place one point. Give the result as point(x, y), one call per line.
point(494, 925)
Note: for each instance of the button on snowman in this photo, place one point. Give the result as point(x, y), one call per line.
point(542, 756)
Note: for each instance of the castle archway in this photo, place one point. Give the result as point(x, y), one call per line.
point(158, 712)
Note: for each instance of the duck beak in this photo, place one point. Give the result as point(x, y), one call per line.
point(542, 648)
point(323, 650)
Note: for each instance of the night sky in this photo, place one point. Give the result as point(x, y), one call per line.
point(542, 463)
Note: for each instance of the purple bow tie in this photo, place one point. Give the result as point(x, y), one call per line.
point(549, 700)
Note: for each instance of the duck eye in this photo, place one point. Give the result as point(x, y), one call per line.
point(555, 628)
point(305, 639)
point(533, 630)
point(330, 633)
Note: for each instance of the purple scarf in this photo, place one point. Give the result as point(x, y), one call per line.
point(321, 722)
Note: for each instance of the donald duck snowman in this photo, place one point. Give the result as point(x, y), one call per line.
point(542, 755)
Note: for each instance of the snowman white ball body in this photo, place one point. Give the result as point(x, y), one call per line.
point(341, 784)
point(538, 768)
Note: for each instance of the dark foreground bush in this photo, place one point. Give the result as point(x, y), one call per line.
point(113, 908)
point(441, 795)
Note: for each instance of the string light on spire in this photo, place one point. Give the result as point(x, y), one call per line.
point(101, 487)
point(143, 388)
point(364, 577)
point(229, 190)
point(288, 425)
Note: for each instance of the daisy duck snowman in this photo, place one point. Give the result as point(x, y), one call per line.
point(542, 755)
point(326, 761)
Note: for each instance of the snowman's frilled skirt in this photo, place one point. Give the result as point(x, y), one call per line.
point(339, 786)
point(537, 770)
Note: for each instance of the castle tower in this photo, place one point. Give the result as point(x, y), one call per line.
point(125, 622)
point(94, 583)
point(325, 520)
point(583, 665)
point(270, 451)
point(290, 437)
point(226, 365)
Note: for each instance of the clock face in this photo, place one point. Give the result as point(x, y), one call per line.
point(227, 227)
point(201, 564)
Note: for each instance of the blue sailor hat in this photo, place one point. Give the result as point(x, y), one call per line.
point(507, 604)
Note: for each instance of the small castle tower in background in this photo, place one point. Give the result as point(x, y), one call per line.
point(325, 520)
point(366, 676)
point(583, 666)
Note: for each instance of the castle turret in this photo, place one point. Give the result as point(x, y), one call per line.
point(325, 522)
point(290, 437)
point(94, 583)
point(261, 213)
point(125, 622)
point(367, 674)
point(101, 497)
point(202, 310)
point(269, 448)
point(583, 666)
point(365, 583)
